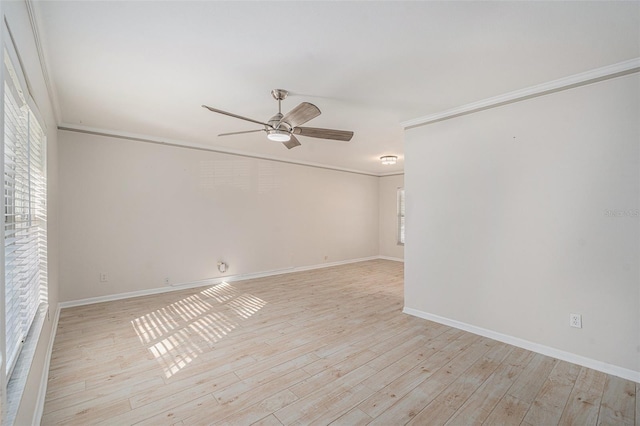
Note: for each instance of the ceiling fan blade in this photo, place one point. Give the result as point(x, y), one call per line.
point(240, 133)
point(301, 114)
point(313, 132)
point(219, 111)
point(292, 143)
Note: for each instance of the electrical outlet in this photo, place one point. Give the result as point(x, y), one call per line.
point(103, 277)
point(575, 320)
point(166, 281)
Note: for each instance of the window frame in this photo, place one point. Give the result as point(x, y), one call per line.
point(13, 375)
point(400, 211)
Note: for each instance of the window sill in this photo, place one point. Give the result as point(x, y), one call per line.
point(18, 380)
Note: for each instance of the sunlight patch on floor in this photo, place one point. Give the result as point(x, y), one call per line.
point(246, 305)
point(178, 333)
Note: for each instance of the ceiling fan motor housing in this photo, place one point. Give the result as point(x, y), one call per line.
point(276, 123)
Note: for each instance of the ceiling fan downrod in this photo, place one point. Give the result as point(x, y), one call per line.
point(279, 95)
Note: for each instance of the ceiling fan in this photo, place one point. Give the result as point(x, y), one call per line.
point(282, 128)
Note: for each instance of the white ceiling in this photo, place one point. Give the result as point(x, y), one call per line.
point(145, 67)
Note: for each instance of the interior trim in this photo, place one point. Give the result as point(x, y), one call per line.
point(42, 391)
point(395, 259)
point(601, 366)
point(599, 74)
point(49, 83)
point(200, 147)
point(207, 282)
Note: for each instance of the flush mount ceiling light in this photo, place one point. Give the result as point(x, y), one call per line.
point(388, 159)
point(277, 135)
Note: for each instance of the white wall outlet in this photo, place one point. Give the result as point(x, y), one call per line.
point(166, 281)
point(575, 320)
point(103, 277)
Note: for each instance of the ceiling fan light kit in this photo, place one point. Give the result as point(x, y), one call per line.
point(281, 128)
point(388, 159)
point(277, 135)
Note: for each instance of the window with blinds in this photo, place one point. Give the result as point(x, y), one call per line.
point(25, 215)
point(401, 216)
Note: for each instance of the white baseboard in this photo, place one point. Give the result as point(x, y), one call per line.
point(37, 416)
point(604, 367)
point(42, 392)
point(330, 264)
point(207, 282)
point(395, 259)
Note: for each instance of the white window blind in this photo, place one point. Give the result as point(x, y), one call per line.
point(400, 215)
point(25, 216)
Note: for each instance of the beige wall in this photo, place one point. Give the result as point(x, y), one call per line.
point(141, 212)
point(509, 230)
point(16, 15)
point(388, 230)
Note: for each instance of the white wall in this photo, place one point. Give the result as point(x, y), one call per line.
point(508, 224)
point(388, 230)
point(17, 17)
point(141, 212)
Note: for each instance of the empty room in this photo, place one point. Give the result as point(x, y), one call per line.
point(320, 213)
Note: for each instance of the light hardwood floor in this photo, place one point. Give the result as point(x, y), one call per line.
point(328, 346)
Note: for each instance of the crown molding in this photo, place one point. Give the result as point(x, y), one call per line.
point(599, 74)
point(202, 147)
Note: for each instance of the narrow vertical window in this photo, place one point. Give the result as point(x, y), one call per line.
point(401, 216)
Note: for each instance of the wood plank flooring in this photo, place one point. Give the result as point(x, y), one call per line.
point(328, 346)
